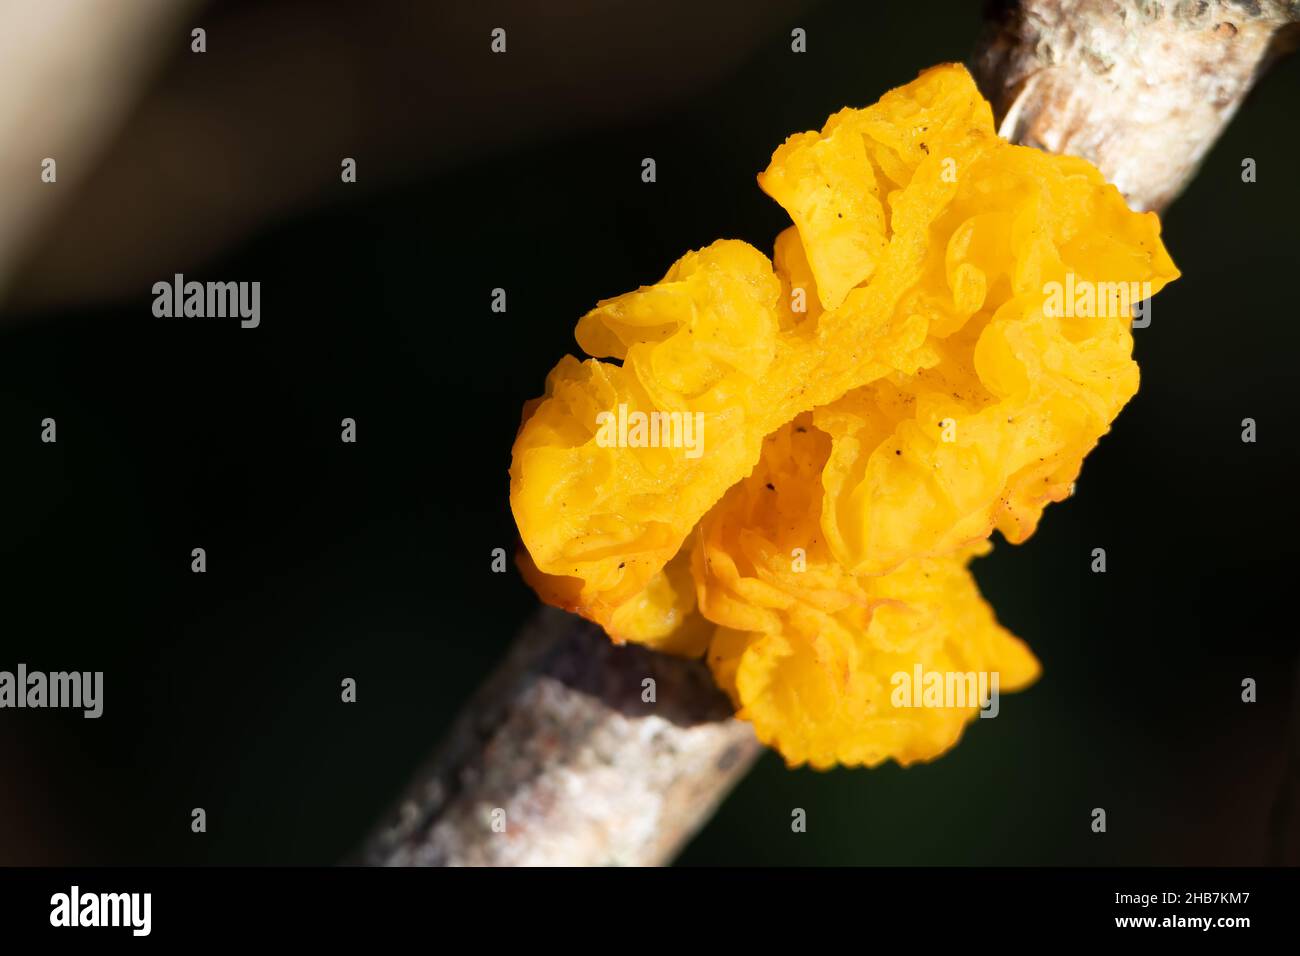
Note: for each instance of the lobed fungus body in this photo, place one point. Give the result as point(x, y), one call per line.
point(894, 385)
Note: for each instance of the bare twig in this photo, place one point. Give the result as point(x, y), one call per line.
point(1141, 88)
point(561, 759)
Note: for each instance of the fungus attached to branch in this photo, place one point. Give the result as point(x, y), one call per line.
point(936, 389)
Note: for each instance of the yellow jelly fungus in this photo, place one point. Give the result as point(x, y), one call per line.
point(790, 462)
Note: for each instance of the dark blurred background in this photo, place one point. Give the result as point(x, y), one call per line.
point(372, 560)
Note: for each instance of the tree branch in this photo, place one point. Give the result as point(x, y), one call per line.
point(586, 771)
point(1140, 88)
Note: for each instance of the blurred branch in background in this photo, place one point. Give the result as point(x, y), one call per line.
point(69, 73)
point(255, 129)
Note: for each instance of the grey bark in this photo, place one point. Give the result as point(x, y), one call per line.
point(560, 759)
point(1140, 88)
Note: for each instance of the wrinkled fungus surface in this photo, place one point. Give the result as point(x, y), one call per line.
point(787, 464)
